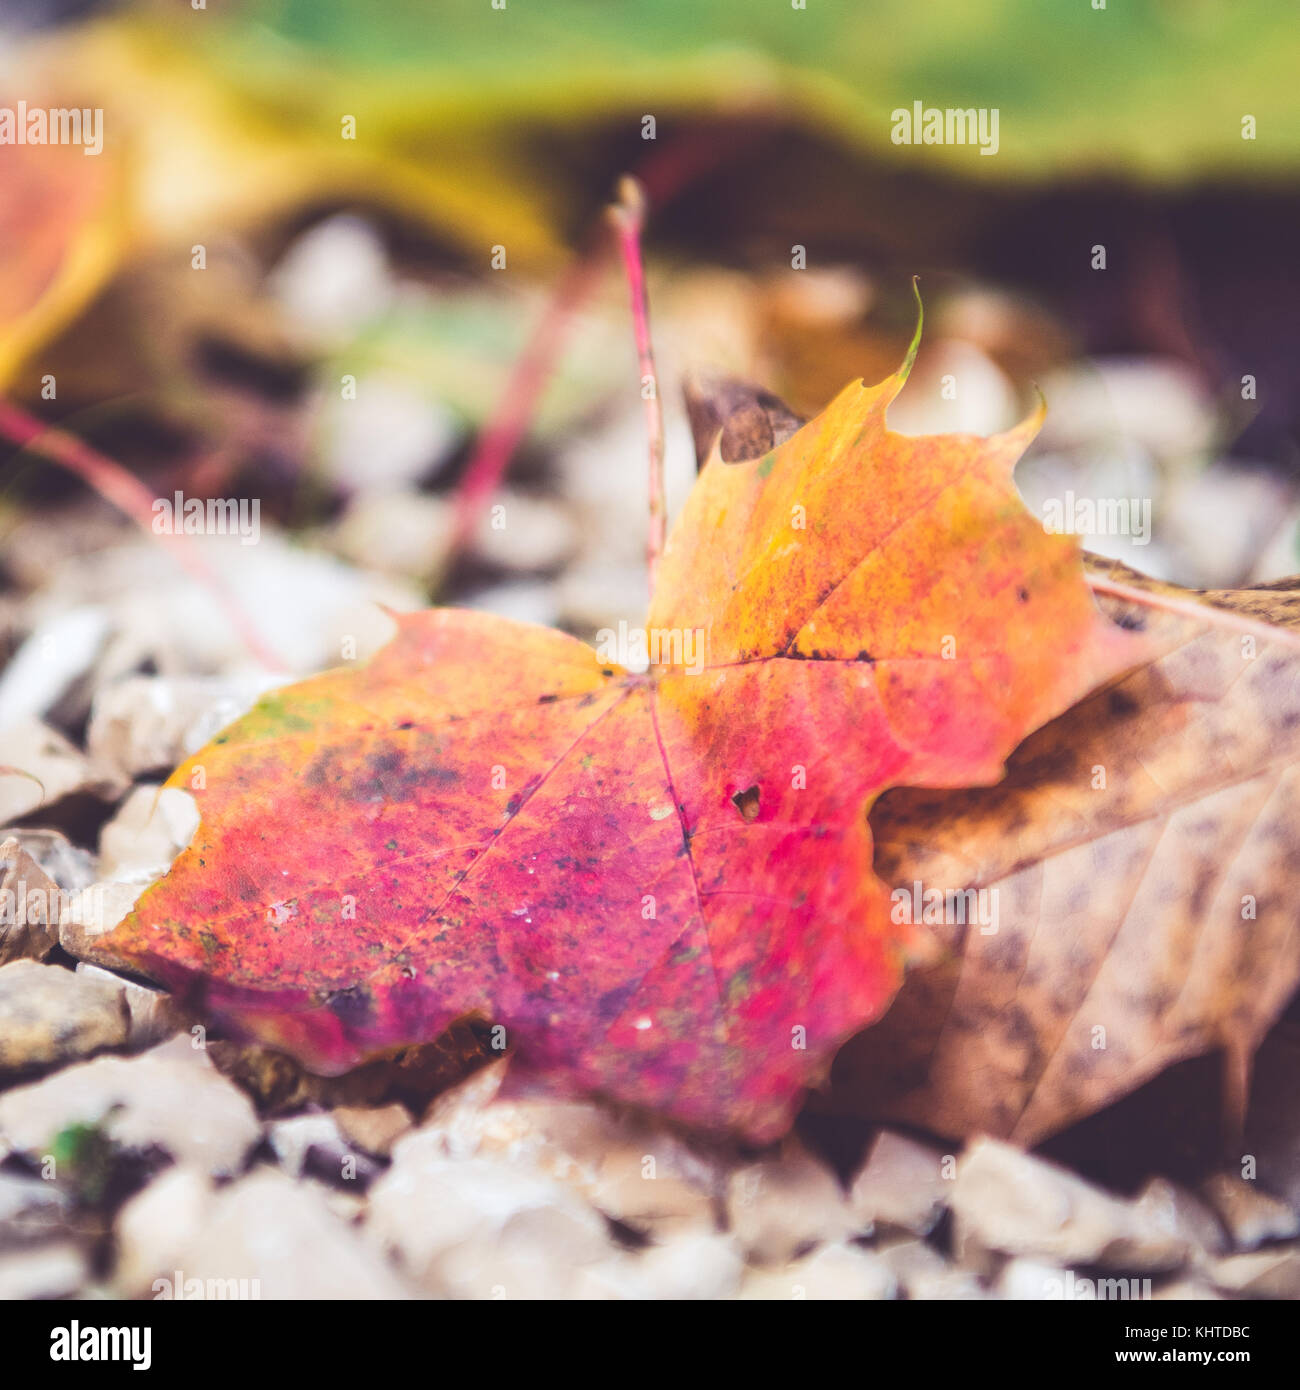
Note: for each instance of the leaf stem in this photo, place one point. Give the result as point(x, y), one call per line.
point(627, 217)
point(130, 496)
point(1201, 610)
point(528, 379)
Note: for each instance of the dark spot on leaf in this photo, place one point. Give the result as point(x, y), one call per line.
point(1131, 619)
point(746, 803)
point(1122, 704)
point(547, 699)
point(351, 1006)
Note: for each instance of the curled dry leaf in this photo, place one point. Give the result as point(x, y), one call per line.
point(1141, 863)
point(752, 421)
point(29, 906)
point(659, 885)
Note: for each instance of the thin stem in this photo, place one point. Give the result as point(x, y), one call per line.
point(130, 496)
point(627, 217)
point(1198, 609)
point(528, 379)
point(665, 173)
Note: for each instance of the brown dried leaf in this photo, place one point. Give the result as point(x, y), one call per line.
point(1123, 939)
point(752, 421)
point(29, 906)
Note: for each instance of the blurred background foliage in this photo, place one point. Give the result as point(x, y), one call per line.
point(477, 127)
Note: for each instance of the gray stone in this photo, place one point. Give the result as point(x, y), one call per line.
point(171, 1098)
point(840, 1272)
point(50, 1016)
point(1008, 1201)
point(900, 1184)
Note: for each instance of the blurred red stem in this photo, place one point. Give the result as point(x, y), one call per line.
point(628, 217)
point(527, 381)
point(130, 496)
point(663, 174)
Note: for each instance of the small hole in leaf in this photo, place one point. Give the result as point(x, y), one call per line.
point(746, 803)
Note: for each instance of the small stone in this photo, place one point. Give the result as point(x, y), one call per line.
point(170, 1098)
point(153, 1015)
point(347, 1206)
point(152, 826)
point(269, 1237)
point(1251, 1215)
point(781, 1206)
point(843, 1272)
point(483, 1227)
point(50, 1016)
point(1012, 1202)
point(293, 1140)
point(148, 724)
point(334, 279)
point(1239, 504)
point(1186, 1291)
point(642, 1176)
point(523, 533)
point(696, 1265)
point(1157, 402)
point(594, 597)
point(29, 906)
point(392, 435)
point(157, 1226)
point(1183, 1215)
point(41, 767)
point(70, 866)
point(402, 532)
point(524, 600)
point(985, 404)
point(924, 1274)
point(55, 657)
point(373, 1128)
point(31, 1210)
point(57, 1270)
point(1030, 1280)
point(88, 916)
point(313, 1143)
point(900, 1184)
point(1263, 1273)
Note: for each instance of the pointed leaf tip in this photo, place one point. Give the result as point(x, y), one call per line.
point(905, 370)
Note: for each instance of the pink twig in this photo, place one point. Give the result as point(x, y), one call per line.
point(627, 217)
point(130, 496)
point(527, 381)
point(665, 173)
point(1199, 610)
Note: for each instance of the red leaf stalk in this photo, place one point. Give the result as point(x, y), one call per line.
point(130, 496)
point(627, 217)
